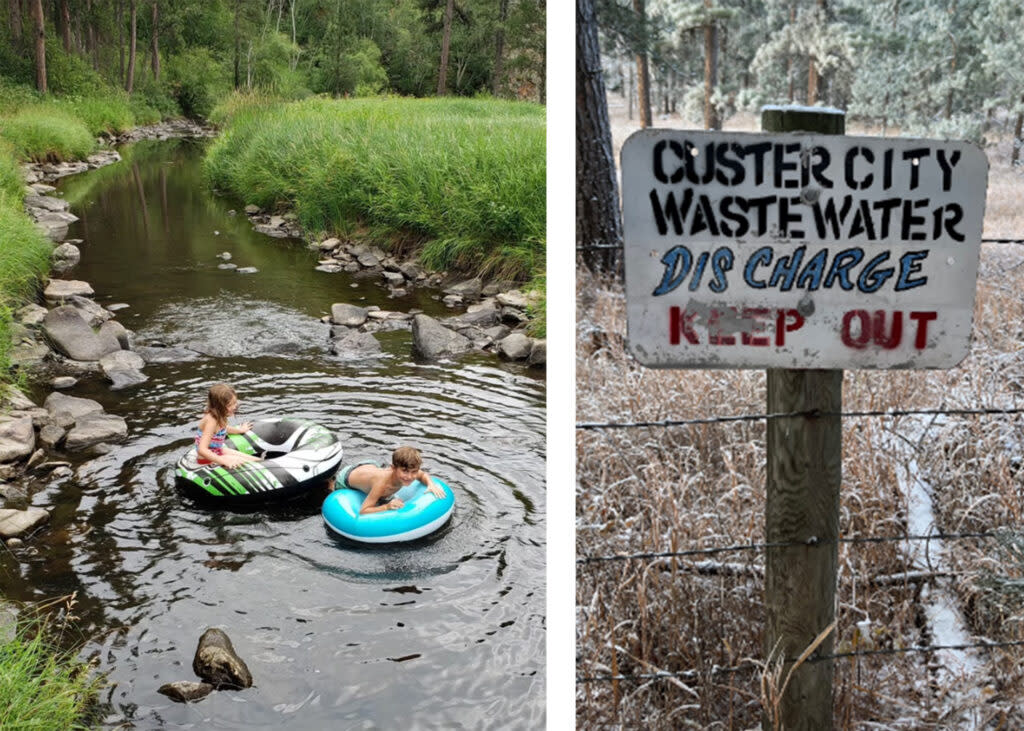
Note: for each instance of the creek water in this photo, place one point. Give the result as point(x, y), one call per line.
point(445, 632)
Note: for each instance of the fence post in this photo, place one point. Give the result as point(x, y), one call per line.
point(804, 470)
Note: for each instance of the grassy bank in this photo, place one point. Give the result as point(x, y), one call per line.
point(462, 179)
point(41, 685)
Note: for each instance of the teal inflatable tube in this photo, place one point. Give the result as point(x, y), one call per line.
point(422, 514)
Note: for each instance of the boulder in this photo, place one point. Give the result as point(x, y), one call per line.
point(61, 289)
point(432, 340)
point(515, 346)
point(17, 522)
point(66, 410)
point(31, 314)
point(17, 437)
point(185, 691)
point(515, 298)
point(394, 279)
point(167, 354)
point(469, 289)
point(483, 318)
point(50, 435)
point(72, 336)
point(123, 369)
point(410, 270)
point(246, 270)
point(94, 429)
point(329, 244)
point(348, 315)
point(64, 257)
point(538, 353)
point(12, 398)
point(93, 313)
point(54, 223)
point(251, 210)
point(8, 622)
point(217, 663)
point(117, 331)
point(354, 344)
point(63, 382)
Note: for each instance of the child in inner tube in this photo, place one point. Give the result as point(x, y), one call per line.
point(221, 402)
point(381, 483)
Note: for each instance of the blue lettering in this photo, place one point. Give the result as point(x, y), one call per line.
point(871, 281)
point(677, 265)
point(786, 268)
point(910, 263)
point(721, 262)
point(764, 254)
point(841, 265)
point(813, 272)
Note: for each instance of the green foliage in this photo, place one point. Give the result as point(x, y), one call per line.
point(350, 69)
point(197, 80)
point(14, 96)
point(70, 74)
point(466, 176)
point(47, 132)
point(152, 101)
point(24, 251)
point(12, 184)
point(110, 114)
point(41, 685)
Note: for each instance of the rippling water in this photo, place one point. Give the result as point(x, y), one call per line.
point(445, 632)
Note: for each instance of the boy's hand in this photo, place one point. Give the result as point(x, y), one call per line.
point(435, 490)
point(395, 504)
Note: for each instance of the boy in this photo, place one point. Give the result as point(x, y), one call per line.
point(380, 483)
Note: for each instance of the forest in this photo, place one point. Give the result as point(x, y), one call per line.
point(189, 53)
point(939, 68)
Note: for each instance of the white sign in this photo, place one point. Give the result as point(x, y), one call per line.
point(789, 250)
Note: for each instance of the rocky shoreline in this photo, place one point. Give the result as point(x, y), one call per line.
point(72, 336)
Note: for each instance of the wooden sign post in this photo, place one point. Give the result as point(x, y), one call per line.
point(803, 477)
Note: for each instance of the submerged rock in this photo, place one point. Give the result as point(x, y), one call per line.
point(354, 344)
point(18, 522)
point(96, 429)
point(185, 691)
point(217, 663)
point(66, 410)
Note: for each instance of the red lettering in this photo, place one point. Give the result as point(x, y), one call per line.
point(864, 334)
point(878, 330)
point(786, 322)
point(715, 335)
point(753, 316)
point(922, 319)
point(681, 322)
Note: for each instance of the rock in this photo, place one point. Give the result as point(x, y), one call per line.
point(18, 522)
point(348, 315)
point(29, 355)
point(73, 337)
point(46, 203)
point(432, 340)
point(227, 265)
point(9, 614)
point(17, 437)
point(13, 493)
point(51, 435)
point(217, 663)
point(394, 279)
point(118, 306)
point(123, 369)
point(66, 410)
point(64, 257)
point(36, 459)
point(513, 316)
point(276, 221)
point(117, 331)
point(55, 223)
point(354, 344)
point(38, 415)
point(251, 210)
point(469, 289)
point(329, 268)
point(61, 289)
point(185, 691)
point(12, 398)
point(246, 270)
point(538, 353)
point(154, 354)
point(225, 255)
point(61, 473)
point(515, 298)
point(492, 288)
point(515, 346)
point(31, 314)
point(368, 260)
point(497, 332)
point(94, 429)
point(329, 244)
point(15, 543)
point(62, 382)
point(277, 233)
point(410, 270)
point(452, 300)
point(482, 318)
point(42, 188)
point(93, 313)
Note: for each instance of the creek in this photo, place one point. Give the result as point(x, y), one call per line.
point(445, 632)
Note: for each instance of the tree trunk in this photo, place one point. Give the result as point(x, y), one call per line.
point(14, 13)
point(598, 220)
point(129, 83)
point(1017, 141)
point(238, 44)
point(446, 39)
point(812, 81)
point(39, 32)
point(710, 70)
point(156, 42)
point(643, 76)
point(65, 25)
point(120, 39)
point(789, 55)
point(499, 48)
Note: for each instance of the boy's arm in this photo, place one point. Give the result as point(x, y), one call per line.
point(432, 487)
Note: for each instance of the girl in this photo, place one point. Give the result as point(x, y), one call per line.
point(221, 402)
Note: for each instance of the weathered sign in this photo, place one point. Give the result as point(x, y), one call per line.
point(790, 250)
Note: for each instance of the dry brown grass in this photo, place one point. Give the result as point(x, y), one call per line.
point(671, 489)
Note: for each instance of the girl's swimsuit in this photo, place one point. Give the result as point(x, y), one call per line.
point(216, 442)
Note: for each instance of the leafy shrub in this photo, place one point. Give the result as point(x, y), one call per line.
point(355, 70)
point(151, 97)
point(193, 78)
point(14, 96)
point(101, 114)
point(70, 74)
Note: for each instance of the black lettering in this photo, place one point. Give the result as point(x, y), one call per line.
point(761, 204)
point(915, 155)
point(758, 150)
point(727, 162)
point(742, 224)
point(783, 165)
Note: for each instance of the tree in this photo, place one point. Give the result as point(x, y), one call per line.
point(598, 220)
point(129, 83)
point(39, 31)
point(156, 42)
point(643, 75)
point(446, 40)
point(14, 15)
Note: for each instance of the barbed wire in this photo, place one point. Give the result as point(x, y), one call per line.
point(603, 247)
point(812, 413)
point(718, 670)
point(648, 555)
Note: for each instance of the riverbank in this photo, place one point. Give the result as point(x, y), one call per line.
point(458, 183)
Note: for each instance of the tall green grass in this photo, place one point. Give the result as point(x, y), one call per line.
point(47, 132)
point(41, 685)
point(464, 176)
